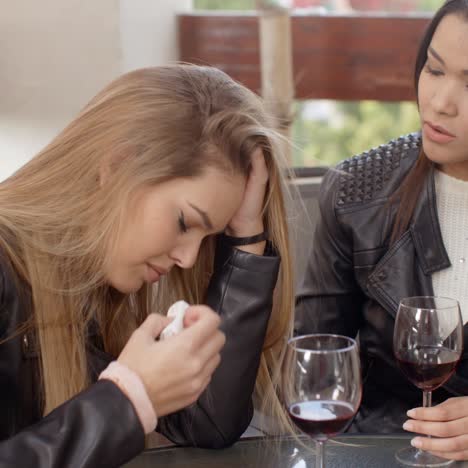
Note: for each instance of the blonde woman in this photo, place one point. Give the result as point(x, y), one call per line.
point(116, 219)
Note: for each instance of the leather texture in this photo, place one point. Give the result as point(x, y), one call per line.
point(99, 427)
point(355, 279)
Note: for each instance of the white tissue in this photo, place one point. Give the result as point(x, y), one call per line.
point(177, 310)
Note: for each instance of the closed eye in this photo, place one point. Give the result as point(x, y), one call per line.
point(182, 225)
point(433, 71)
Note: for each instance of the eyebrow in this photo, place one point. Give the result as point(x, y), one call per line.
point(204, 216)
point(440, 59)
point(436, 55)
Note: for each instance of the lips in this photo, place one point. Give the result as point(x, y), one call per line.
point(440, 129)
point(161, 271)
point(437, 133)
point(155, 273)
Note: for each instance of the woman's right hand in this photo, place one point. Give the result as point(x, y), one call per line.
point(177, 370)
point(447, 426)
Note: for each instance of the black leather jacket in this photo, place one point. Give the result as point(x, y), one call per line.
point(99, 427)
point(355, 280)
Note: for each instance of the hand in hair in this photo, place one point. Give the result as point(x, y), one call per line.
point(177, 370)
point(248, 220)
point(448, 422)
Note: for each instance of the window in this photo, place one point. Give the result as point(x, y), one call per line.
point(325, 132)
point(351, 6)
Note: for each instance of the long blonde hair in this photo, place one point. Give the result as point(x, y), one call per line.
point(58, 222)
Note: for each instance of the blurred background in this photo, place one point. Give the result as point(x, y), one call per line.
point(56, 54)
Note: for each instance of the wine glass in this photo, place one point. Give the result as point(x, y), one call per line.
point(321, 384)
point(427, 343)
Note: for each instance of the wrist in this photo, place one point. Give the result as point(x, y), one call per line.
point(236, 241)
point(134, 389)
point(246, 230)
point(256, 249)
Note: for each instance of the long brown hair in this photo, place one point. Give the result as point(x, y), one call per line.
point(58, 223)
point(410, 190)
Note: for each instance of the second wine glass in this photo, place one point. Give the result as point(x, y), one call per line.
point(427, 342)
point(321, 385)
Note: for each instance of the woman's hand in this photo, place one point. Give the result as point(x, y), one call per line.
point(177, 370)
point(448, 422)
point(248, 220)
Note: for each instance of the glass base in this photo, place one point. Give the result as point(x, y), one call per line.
point(414, 457)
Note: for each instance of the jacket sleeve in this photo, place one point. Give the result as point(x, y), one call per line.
point(98, 427)
point(241, 290)
point(329, 299)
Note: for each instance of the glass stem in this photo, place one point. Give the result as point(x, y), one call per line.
point(427, 399)
point(427, 403)
point(320, 456)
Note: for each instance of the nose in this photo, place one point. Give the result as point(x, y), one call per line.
point(444, 99)
point(185, 255)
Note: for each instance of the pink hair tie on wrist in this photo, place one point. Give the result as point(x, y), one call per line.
point(133, 388)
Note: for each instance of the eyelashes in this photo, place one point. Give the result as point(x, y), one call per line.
point(435, 72)
point(432, 71)
point(182, 225)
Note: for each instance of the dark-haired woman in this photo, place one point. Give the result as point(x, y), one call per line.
point(394, 223)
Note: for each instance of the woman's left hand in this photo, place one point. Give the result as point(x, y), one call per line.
point(248, 220)
point(448, 422)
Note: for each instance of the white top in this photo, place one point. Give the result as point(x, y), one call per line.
point(452, 206)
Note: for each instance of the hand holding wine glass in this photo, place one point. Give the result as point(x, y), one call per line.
point(448, 422)
point(427, 342)
point(322, 385)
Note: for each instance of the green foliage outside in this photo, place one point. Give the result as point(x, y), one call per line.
point(348, 129)
point(422, 5)
point(430, 5)
point(344, 128)
point(223, 4)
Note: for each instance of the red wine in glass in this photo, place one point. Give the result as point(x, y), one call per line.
point(321, 386)
point(322, 419)
point(428, 367)
point(427, 342)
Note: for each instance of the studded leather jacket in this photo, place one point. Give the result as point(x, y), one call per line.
point(355, 278)
point(99, 427)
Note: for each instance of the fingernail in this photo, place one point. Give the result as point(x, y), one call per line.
point(408, 426)
point(411, 413)
point(416, 443)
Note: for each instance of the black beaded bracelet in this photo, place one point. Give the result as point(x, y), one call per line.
point(234, 241)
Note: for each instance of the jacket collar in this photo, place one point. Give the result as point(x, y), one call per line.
point(414, 257)
point(425, 230)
